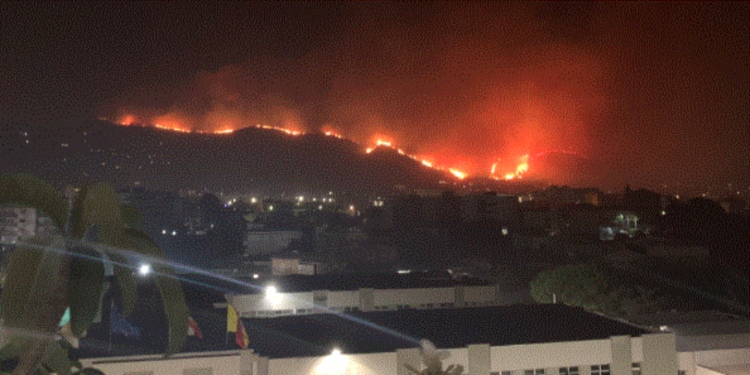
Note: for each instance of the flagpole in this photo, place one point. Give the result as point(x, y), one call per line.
point(111, 307)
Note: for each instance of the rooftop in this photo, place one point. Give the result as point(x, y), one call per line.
point(355, 281)
point(372, 332)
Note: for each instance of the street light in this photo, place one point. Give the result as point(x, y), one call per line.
point(144, 269)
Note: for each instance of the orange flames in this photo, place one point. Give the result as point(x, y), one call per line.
point(173, 124)
point(521, 169)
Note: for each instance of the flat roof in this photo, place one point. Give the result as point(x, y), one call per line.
point(356, 281)
point(387, 331)
point(369, 332)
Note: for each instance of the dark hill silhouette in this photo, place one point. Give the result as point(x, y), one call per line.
point(251, 159)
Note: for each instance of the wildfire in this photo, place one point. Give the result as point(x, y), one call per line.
point(460, 175)
point(521, 169)
point(384, 143)
point(172, 128)
point(332, 134)
point(127, 120)
point(280, 129)
point(172, 124)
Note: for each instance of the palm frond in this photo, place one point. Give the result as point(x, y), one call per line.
point(170, 290)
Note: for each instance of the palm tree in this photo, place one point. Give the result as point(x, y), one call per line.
point(50, 273)
point(433, 361)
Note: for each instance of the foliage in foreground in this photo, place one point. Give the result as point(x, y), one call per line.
point(49, 273)
point(433, 361)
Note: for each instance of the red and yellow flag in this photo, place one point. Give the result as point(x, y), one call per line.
point(193, 329)
point(234, 324)
point(241, 336)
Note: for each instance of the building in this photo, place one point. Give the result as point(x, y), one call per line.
point(509, 340)
point(320, 294)
point(295, 265)
point(210, 363)
point(18, 223)
point(264, 242)
point(490, 206)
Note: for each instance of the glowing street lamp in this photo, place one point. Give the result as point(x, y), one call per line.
point(271, 290)
point(144, 269)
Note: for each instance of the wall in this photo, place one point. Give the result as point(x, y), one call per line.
point(262, 304)
point(362, 364)
point(550, 355)
point(413, 297)
point(217, 363)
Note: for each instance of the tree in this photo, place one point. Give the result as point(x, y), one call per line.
point(582, 285)
point(50, 273)
point(433, 361)
point(594, 287)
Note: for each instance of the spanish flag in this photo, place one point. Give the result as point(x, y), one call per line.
point(234, 324)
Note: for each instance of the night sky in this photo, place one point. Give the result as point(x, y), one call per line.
point(651, 94)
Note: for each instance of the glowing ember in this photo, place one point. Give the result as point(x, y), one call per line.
point(280, 129)
point(172, 128)
point(127, 120)
point(426, 163)
point(460, 175)
point(384, 143)
point(332, 134)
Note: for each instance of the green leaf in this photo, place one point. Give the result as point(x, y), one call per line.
point(84, 288)
point(101, 207)
point(127, 282)
point(34, 296)
point(75, 226)
point(131, 216)
point(56, 359)
point(29, 191)
point(14, 347)
point(169, 288)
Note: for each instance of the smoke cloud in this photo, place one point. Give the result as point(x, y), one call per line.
point(462, 85)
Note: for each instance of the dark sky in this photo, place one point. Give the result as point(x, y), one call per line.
point(603, 93)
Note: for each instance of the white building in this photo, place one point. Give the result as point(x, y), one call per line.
point(521, 345)
point(649, 354)
point(362, 292)
point(17, 223)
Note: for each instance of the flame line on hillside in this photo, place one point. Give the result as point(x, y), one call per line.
point(520, 170)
